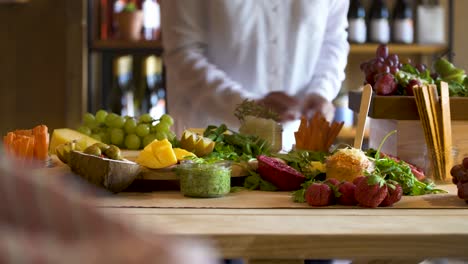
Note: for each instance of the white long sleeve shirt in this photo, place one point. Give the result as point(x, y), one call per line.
point(219, 52)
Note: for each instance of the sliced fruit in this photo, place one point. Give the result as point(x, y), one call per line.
point(181, 154)
point(64, 135)
point(283, 176)
point(197, 144)
point(158, 154)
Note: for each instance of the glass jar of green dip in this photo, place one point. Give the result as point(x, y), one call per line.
point(204, 180)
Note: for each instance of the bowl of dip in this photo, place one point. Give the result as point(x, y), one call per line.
point(204, 180)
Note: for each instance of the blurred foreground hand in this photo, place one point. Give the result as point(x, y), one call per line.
point(43, 220)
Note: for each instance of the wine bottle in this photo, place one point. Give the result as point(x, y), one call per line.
point(154, 95)
point(357, 30)
point(403, 22)
point(379, 26)
point(151, 19)
point(122, 91)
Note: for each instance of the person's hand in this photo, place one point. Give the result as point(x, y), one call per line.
point(315, 103)
point(284, 105)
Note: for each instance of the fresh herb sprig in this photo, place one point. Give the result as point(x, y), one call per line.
point(252, 108)
point(400, 172)
point(231, 145)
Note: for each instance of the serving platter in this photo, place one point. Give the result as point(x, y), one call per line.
point(397, 107)
point(238, 170)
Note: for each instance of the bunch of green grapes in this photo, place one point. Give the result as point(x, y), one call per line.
point(127, 132)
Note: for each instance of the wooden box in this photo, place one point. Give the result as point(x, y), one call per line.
point(388, 113)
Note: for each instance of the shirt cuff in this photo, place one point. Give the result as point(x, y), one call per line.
point(323, 87)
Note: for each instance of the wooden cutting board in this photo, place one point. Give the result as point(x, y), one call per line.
point(238, 170)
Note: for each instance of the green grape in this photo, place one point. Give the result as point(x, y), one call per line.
point(118, 122)
point(84, 130)
point(96, 137)
point(142, 130)
point(160, 135)
point(115, 121)
point(105, 137)
point(117, 136)
point(148, 139)
point(167, 119)
point(101, 116)
point(109, 119)
point(132, 141)
point(153, 129)
point(89, 119)
point(145, 118)
point(130, 125)
point(161, 127)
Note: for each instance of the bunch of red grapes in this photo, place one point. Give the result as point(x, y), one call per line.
point(380, 72)
point(459, 174)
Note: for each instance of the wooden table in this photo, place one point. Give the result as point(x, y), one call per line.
point(291, 235)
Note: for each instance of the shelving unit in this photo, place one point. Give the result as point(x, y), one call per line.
point(121, 46)
point(108, 49)
point(400, 49)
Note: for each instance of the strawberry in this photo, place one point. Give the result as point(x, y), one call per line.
point(347, 190)
point(283, 176)
point(358, 179)
point(371, 191)
point(332, 181)
point(394, 194)
point(319, 194)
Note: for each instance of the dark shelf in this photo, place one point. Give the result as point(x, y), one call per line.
point(123, 46)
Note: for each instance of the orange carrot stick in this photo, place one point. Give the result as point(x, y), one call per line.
point(41, 142)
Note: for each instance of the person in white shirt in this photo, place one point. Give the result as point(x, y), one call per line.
point(289, 55)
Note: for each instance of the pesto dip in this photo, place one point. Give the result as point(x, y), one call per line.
point(204, 180)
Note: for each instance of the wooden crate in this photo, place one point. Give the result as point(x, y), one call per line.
point(409, 142)
point(388, 113)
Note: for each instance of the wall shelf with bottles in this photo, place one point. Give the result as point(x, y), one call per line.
point(400, 49)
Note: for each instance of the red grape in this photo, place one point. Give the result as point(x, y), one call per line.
point(370, 78)
point(394, 69)
point(421, 67)
point(458, 171)
point(382, 51)
point(465, 163)
point(394, 59)
point(385, 84)
point(410, 85)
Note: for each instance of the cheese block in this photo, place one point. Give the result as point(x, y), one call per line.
point(64, 135)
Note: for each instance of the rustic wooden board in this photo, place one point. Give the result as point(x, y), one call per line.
point(246, 199)
point(403, 107)
point(169, 174)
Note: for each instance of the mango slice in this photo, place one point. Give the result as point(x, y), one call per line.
point(158, 154)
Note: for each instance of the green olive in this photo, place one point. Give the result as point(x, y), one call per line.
point(101, 146)
point(93, 150)
point(113, 152)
